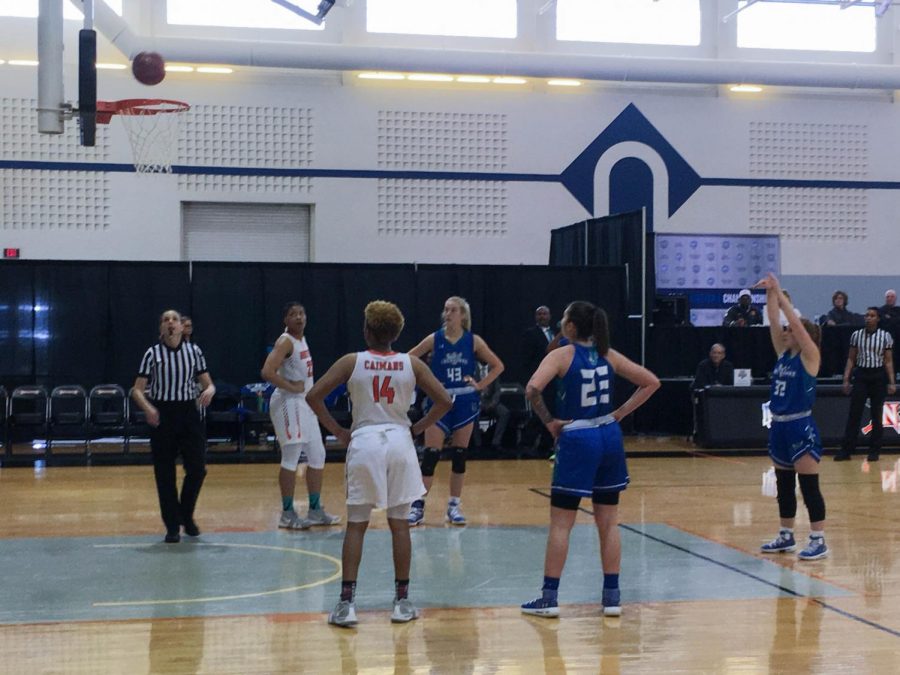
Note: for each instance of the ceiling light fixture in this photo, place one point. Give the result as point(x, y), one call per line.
point(746, 88)
point(381, 76)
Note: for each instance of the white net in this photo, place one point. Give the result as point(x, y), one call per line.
point(152, 128)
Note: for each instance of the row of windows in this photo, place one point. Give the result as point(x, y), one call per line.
point(765, 25)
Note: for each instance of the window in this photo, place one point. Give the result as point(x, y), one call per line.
point(803, 26)
point(460, 18)
point(673, 22)
point(240, 14)
point(29, 8)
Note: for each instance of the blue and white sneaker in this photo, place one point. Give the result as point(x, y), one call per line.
point(455, 515)
point(416, 512)
point(612, 602)
point(815, 549)
point(540, 607)
point(782, 543)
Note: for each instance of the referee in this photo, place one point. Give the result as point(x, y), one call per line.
point(871, 352)
point(170, 403)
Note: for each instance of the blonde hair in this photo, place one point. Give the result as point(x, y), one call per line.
point(162, 316)
point(466, 311)
point(384, 320)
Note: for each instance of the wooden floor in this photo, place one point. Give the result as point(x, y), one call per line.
point(716, 499)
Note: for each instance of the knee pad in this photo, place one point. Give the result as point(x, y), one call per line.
point(290, 456)
point(315, 454)
point(606, 498)
point(812, 496)
point(787, 492)
point(567, 502)
point(359, 513)
point(459, 459)
point(399, 512)
point(430, 458)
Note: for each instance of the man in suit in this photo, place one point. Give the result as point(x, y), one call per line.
point(534, 347)
point(535, 340)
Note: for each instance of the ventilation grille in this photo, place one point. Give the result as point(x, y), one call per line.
point(809, 213)
point(809, 150)
point(246, 136)
point(20, 139)
point(442, 141)
point(54, 200)
point(442, 208)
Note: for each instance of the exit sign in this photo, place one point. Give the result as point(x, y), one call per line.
point(10, 253)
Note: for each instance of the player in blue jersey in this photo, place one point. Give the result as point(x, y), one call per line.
point(794, 444)
point(590, 459)
point(455, 353)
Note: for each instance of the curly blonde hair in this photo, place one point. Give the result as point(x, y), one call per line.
point(384, 320)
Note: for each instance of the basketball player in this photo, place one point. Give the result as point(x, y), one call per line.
point(382, 469)
point(454, 351)
point(289, 367)
point(590, 458)
point(794, 444)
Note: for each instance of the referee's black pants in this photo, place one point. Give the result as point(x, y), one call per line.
point(180, 431)
point(868, 383)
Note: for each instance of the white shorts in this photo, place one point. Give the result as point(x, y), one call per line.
point(295, 422)
point(382, 468)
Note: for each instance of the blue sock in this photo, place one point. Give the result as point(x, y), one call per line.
point(314, 501)
point(287, 503)
point(550, 590)
point(610, 581)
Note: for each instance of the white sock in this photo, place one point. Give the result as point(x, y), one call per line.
point(819, 534)
point(453, 501)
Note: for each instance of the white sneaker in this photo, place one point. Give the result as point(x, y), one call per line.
point(291, 520)
point(416, 512)
point(343, 614)
point(404, 611)
point(455, 515)
point(321, 517)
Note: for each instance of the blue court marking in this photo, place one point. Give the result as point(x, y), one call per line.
point(114, 578)
point(786, 590)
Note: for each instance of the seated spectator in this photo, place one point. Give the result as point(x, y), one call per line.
point(889, 313)
point(743, 313)
point(715, 370)
point(782, 319)
point(839, 315)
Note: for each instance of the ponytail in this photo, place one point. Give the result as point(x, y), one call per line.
point(601, 331)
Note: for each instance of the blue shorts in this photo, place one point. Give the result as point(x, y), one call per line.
point(590, 460)
point(466, 409)
point(789, 441)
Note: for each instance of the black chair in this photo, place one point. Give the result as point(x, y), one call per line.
point(68, 415)
point(512, 395)
point(223, 421)
point(27, 417)
point(4, 417)
point(254, 409)
point(136, 423)
point(107, 413)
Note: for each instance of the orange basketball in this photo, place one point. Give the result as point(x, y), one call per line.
point(148, 68)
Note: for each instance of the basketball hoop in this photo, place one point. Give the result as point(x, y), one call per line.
point(152, 126)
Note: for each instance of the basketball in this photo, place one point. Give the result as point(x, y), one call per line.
point(148, 68)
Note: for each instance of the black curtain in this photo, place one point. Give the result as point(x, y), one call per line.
point(612, 240)
point(89, 322)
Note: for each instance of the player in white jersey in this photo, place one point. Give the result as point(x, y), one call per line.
point(382, 469)
point(289, 367)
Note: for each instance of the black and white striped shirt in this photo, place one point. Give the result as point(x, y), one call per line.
point(870, 347)
point(171, 372)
